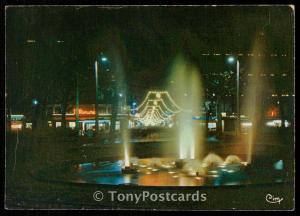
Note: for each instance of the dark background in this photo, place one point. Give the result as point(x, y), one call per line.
point(146, 40)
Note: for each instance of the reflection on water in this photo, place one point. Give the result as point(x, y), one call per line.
point(162, 172)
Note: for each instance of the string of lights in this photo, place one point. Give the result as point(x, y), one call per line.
point(154, 110)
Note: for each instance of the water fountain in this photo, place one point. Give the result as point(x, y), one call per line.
point(257, 85)
point(186, 88)
point(190, 167)
point(127, 167)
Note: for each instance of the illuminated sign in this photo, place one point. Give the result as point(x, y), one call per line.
point(85, 112)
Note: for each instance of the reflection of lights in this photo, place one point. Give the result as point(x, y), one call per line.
point(166, 166)
point(175, 176)
point(171, 172)
point(154, 170)
point(213, 171)
point(142, 165)
point(148, 172)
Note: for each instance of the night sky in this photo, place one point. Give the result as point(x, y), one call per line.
point(142, 41)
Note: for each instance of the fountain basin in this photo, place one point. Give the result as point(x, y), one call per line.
point(157, 172)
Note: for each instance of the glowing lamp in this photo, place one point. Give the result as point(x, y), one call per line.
point(35, 102)
point(231, 60)
point(103, 59)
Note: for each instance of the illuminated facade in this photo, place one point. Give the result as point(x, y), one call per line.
point(86, 116)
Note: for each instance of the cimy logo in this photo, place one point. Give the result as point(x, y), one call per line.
point(272, 199)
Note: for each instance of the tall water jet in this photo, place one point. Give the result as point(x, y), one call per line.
point(119, 96)
point(125, 140)
point(185, 87)
point(252, 104)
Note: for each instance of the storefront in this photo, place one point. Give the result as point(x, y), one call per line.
point(86, 119)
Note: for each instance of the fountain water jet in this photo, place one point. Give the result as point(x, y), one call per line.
point(125, 139)
point(119, 97)
point(252, 104)
point(186, 88)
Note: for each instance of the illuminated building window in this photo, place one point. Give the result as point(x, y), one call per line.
point(58, 124)
point(16, 126)
point(28, 125)
point(72, 124)
point(278, 123)
point(212, 125)
point(117, 125)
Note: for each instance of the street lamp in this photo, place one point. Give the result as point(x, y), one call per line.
point(231, 60)
point(35, 102)
point(103, 59)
